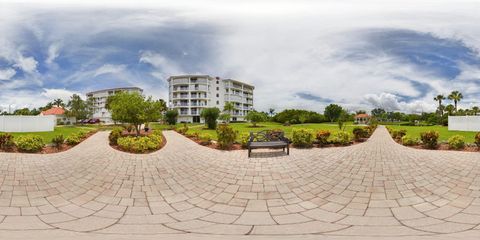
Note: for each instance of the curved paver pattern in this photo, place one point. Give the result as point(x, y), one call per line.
point(374, 188)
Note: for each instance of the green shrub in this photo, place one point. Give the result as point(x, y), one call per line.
point(409, 141)
point(6, 141)
point(322, 137)
point(429, 139)
point(205, 138)
point(115, 134)
point(371, 128)
point(210, 115)
point(226, 136)
point(359, 133)
point(130, 128)
point(456, 142)
point(29, 143)
point(398, 134)
point(477, 139)
point(302, 138)
point(183, 130)
point(73, 139)
point(341, 137)
point(58, 140)
point(244, 138)
point(171, 116)
point(139, 144)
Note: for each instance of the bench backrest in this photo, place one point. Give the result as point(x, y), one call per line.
point(266, 136)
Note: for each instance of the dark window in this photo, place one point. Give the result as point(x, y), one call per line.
point(217, 95)
point(217, 81)
point(218, 88)
point(218, 102)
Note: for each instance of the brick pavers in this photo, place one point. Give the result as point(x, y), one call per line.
point(377, 188)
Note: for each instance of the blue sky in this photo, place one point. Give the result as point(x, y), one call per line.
point(305, 54)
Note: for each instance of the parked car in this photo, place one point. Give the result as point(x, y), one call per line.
point(84, 121)
point(94, 120)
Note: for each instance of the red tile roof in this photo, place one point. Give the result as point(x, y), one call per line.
point(362, 115)
point(54, 111)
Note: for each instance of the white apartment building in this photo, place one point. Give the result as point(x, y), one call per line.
point(189, 94)
point(100, 98)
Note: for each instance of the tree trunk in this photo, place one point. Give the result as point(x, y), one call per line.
point(137, 128)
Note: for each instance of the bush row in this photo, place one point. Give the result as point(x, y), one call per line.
point(429, 139)
point(34, 143)
point(136, 144)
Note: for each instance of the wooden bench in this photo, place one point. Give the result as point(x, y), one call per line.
point(268, 139)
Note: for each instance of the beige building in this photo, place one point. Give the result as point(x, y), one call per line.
point(189, 94)
point(100, 99)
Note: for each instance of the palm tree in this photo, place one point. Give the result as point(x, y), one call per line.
point(439, 98)
point(229, 108)
point(455, 96)
point(58, 102)
point(449, 108)
point(475, 110)
point(271, 111)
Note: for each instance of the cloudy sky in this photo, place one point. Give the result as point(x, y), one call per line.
point(299, 54)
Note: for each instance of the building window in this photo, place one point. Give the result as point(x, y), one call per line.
point(218, 102)
point(217, 81)
point(217, 95)
point(218, 88)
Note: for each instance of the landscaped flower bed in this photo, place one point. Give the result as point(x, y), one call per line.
point(124, 140)
point(32, 143)
point(430, 140)
point(301, 138)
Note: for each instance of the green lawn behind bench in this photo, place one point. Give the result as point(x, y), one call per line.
point(247, 127)
point(414, 131)
point(59, 130)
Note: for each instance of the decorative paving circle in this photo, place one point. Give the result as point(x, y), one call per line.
point(377, 188)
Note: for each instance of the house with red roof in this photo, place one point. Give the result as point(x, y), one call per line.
point(60, 117)
point(362, 118)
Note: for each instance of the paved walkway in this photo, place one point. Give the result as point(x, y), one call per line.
point(377, 188)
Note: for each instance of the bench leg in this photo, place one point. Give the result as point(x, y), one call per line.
point(288, 150)
point(249, 152)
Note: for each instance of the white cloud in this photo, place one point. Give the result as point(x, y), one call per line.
point(53, 53)
point(52, 93)
point(109, 69)
point(27, 64)
point(391, 102)
point(7, 74)
point(164, 67)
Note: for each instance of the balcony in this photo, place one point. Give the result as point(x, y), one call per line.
point(177, 89)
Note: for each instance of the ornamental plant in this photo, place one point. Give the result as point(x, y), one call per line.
point(429, 139)
point(244, 138)
point(409, 141)
point(57, 141)
point(341, 137)
point(398, 134)
point(302, 138)
point(205, 139)
point(456, 142)
point(226, 136)
point(6, 141)
point(322, 137)
point(477, 139)
point(29, 143)
point(73, 139)
point(139, 144)
point(115, 134)
point(359, 133)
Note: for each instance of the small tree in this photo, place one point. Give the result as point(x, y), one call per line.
point(79, 108)
point(228, 109)
point(171, 116)
point(333, 112)
point(255, 117)
point(134, 108)
point(225, 117)
point(210, 115)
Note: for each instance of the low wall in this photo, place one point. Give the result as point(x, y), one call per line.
point(27, 123)
point(464, 123)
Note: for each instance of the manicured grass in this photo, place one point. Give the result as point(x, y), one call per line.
point(414, 131)
point(60, 130)
point(247, 127)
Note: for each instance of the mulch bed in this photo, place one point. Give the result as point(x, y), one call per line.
point(51, 149)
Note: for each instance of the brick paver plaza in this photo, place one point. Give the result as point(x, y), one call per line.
point(377, 188)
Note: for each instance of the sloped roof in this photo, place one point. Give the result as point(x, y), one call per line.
point(362, 115)
point(54, 111)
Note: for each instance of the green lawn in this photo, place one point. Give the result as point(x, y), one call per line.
point(247, 127)
point(60, 130)
point(414, 131)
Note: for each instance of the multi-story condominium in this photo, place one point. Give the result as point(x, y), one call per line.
point(189, 94)
point(100, 98)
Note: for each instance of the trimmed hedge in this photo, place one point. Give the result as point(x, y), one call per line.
point(29, 143)
point(302, 138)
point(226, 136)
point(456, 142)
point(429, 139)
